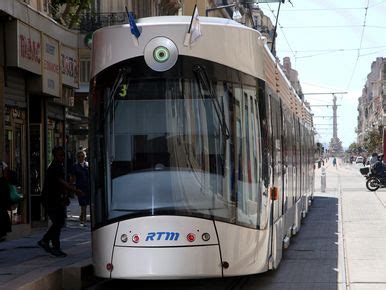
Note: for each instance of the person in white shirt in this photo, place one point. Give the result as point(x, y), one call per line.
point(373, 159)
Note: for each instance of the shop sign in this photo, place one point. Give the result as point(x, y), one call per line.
point(69, 63)
point(29, 48)
point(51, 80)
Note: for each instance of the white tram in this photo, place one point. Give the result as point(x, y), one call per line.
point(201, 155)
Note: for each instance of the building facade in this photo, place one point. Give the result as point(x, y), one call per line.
point(293, 76)
point(372, 103)
point(38, 74)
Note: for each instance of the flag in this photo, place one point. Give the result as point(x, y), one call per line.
point(194, 31)
point(133, 26)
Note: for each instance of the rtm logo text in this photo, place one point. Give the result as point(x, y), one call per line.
point(166, 236)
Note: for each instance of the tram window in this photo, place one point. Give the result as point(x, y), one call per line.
point(258, 141)
point(255, 140)
point(166, 151)
point(175, 139)
point(246, 205)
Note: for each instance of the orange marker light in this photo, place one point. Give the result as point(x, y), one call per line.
point(274, 193)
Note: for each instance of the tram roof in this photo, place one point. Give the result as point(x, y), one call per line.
point(173, 20)
point(186, 19)
point(111, 44)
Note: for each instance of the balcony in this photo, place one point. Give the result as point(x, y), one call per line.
point(90, 22)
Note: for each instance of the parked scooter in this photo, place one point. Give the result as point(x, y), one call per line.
point(375, 176)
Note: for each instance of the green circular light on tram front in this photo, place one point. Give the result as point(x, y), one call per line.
point(161, 54)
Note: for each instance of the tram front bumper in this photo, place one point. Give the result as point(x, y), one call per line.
point(166, 263)
point(157, 247)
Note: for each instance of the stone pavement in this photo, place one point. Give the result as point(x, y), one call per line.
point(363, 219)
point(24, 265)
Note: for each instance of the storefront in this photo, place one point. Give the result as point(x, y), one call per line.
point(16, 156)
point(40, 72)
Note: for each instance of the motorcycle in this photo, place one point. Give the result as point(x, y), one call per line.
point(374, 180)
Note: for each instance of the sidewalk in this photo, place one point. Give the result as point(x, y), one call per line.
point(24, 265)
point(362, 220)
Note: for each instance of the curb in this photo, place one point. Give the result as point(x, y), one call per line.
point(71, 277)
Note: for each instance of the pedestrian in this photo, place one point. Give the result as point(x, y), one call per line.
point(80, 177)
point(5, 202)
point(334, 161)
point(55, 199)
point(364, 160)
point(373, 159)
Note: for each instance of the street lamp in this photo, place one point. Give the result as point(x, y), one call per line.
point(218, 8)
point(236, 12)
point(236, 15)
point(260, 1)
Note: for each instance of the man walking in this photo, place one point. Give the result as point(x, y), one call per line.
point(80, 176)
point(55, 199)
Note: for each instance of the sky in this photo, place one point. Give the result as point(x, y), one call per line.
point(332, 45)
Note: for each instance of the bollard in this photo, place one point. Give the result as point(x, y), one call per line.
point(323, 180)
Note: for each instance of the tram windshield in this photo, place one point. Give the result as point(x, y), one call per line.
point(165, 148)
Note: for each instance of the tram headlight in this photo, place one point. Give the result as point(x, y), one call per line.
point(205, 237)
point(160, 54)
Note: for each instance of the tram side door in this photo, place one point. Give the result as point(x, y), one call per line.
point(277, 193)
point(277, 158)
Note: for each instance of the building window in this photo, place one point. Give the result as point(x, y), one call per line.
point(85, 70)
point(384, 71)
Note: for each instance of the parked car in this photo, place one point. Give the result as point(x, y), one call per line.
point(359, 159)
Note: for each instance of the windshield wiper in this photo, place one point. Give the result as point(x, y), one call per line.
point(204, 82)
point(117, 82)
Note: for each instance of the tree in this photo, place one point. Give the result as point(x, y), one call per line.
point(354, 148)
point(68, 12)
point(373, 140)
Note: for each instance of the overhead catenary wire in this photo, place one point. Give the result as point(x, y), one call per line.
point(336, 49)
point(360, 45)
point(376, 4)
point(321, 9)
point(278, 23)
point(364, 26)
point(331, 26)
